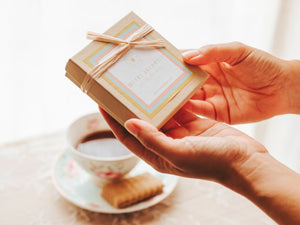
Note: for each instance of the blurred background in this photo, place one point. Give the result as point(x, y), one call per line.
point(39, 36)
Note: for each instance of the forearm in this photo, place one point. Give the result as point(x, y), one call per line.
point(271, 186)
point(293, 86)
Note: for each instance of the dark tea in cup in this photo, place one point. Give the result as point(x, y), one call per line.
point(102, 144)
point(97, 151)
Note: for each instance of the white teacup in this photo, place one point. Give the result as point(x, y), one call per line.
point(115, 163)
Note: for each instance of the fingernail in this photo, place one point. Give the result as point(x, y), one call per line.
point(195, 58)
point(131, 127)
point(189, 54)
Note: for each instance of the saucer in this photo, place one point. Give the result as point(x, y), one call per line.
point(75, 185)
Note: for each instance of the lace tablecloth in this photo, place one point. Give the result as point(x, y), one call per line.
point(28, 197)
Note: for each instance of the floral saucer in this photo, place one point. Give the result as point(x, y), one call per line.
point(75, 185)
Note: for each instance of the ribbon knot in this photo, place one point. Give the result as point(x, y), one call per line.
point(124, 47)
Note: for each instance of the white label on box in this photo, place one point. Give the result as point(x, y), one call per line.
point(147, 75)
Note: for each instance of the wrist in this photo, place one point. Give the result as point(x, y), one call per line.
point(246, 173)
point(292, 86)
point(271, 186)
point(255, 177)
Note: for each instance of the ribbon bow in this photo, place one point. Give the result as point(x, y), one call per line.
point(125, 46)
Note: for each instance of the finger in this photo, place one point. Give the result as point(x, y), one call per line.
point(178, 133)
point(201, 108)
point(134, 145)
point(231, 53)
point(152, 139)
point(183, 116)
point(176, 129)
point(119, 131)
point(193, 125)
point(123, 135)
point(199, 95)
point(188, 121)
point(171, 124)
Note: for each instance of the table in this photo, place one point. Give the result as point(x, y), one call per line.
point(28, 196)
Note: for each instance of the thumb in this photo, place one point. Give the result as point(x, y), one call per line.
point(231, 53)
point(151, 138)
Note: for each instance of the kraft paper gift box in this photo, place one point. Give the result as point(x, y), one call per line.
point(149, 83)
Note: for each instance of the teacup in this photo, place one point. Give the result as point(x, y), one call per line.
point(104, 158)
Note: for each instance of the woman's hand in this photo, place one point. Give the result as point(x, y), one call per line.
point(245, 84)
point(201, 148)
point(189, 146)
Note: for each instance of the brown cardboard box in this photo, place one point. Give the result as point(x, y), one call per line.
point(150, 83)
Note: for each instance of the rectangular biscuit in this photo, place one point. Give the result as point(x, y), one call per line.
point(128, 191)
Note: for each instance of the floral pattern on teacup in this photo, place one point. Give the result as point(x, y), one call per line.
point(93, 124)
point(93, 205)
point(106, 169)
point(108, 175)
point(73, 168)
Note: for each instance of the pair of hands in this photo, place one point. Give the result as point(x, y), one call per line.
point(245, 85)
